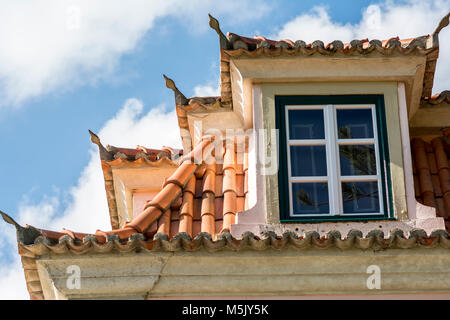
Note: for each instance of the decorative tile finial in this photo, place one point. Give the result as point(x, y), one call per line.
point(214, 24)
point(443, 23)
point(8, 219)
point(25, 235)
point(180, 99)
point(94, 138)
point(104, 153)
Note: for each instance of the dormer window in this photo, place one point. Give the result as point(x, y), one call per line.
point(333, 158)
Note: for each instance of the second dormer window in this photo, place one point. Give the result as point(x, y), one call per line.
point(333, 156)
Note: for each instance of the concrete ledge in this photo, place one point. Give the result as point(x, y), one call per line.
point(268, 273)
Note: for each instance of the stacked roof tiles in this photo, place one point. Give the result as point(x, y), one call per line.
point(140, 156)
point(256, 46)
point(201, 197)
point(443, 97)
point(431, 168)
point(208, 200)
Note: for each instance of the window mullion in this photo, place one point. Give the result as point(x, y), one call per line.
point(291, 206)
point(378, 160)
point(332, 160)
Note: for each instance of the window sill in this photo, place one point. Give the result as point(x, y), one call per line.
point(333, 219)
point(425, 219)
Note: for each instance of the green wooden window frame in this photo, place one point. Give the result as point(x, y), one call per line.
point(281, 101)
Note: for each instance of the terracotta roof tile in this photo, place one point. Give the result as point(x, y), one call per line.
point(443, 97)
point(260, 46)
point(199, 189)
point(114, 157)
point(218, 202)
point(374, 239)
point(191, 201)
point(432, 174)
point(140, 151)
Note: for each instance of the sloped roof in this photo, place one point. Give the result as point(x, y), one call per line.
point(235, 46)
point(431, 169)
point(197, 197)
point(260, 46)
point(443, 97)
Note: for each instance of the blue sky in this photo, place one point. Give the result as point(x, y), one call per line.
point(79, 82)
point(46, 137)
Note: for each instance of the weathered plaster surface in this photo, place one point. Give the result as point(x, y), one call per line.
point(429, 120)
point(287, 272)
point(318, 68)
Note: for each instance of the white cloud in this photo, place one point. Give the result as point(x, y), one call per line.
point(87, 210)
point(407, 19)
point(207, 90)
point(50, 45)
point(12, 281)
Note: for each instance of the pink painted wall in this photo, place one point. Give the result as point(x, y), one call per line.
point(139, 199)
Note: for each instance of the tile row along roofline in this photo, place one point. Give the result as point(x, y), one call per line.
point(233, 42)
point(236, 46)
point(37, 242)
point(443, 97)
point(110, 153)
point(65, 244)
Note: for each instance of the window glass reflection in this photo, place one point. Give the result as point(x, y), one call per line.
point(306, 124)
point(357, 160)
point(360, 197)
point(307, 161)
point(310, 198)
point(354, 123)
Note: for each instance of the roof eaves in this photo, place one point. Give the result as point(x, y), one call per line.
point(185, 106)
point(375, 239)
point(443, 97)
point(258, 46)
